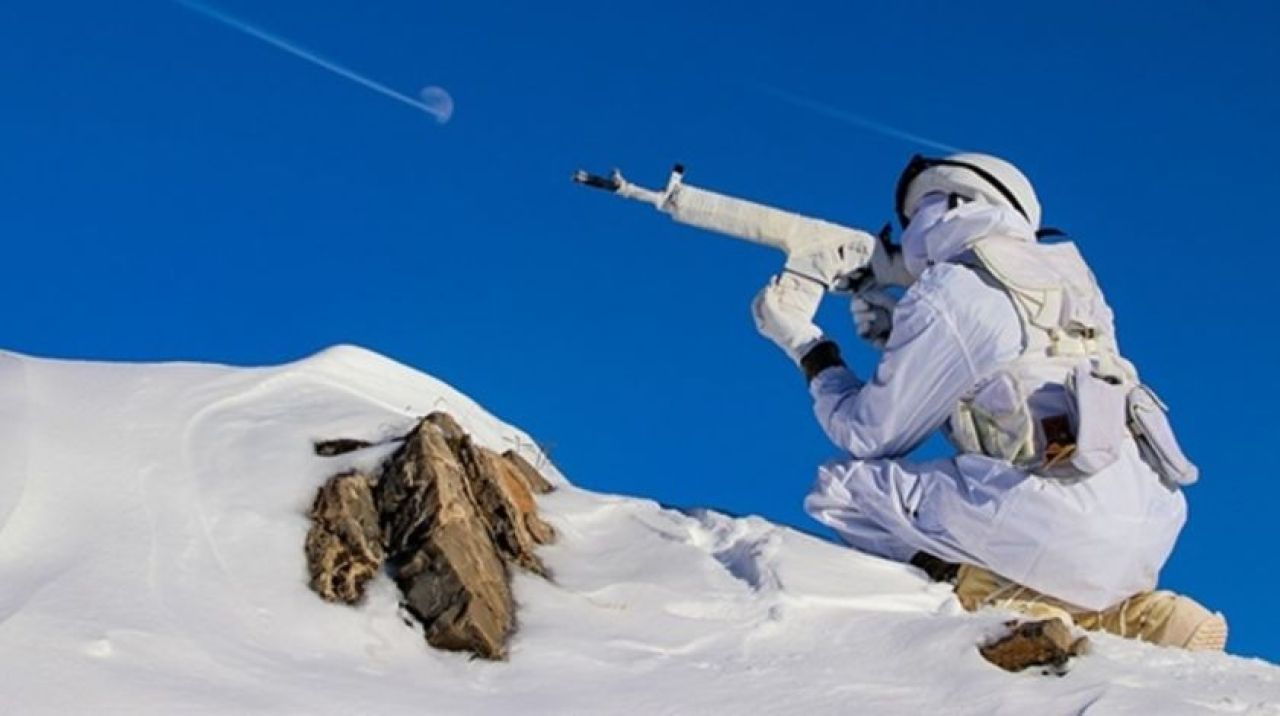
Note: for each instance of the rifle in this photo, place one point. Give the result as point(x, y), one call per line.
point(842, 259)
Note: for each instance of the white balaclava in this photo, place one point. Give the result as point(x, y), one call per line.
point(938, 232)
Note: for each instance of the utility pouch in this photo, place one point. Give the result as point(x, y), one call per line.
point(1149, 423)
point(1097, 402)
point(1000, 420)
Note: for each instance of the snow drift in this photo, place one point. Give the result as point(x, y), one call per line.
point(152, 519)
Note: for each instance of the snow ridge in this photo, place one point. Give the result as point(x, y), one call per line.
point(151, 527)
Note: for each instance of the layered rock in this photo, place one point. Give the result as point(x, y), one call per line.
point(443, 556)
point(503, 496)
point(450, 517)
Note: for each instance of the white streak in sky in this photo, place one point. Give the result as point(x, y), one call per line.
point(856, 120)
point(436, 102)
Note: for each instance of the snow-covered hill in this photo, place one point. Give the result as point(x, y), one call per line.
point(151, 527)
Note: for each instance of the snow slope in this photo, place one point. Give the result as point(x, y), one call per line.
point(151, 528)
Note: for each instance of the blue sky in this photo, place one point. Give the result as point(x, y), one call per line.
point(175, 190)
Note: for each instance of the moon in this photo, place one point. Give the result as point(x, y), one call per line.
point(437, 102)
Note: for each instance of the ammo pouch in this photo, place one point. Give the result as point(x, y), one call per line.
point(1097, 402)
point(1149, 422)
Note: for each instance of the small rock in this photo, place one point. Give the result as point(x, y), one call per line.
point(344, 545)
point(340, 446)
point(1046, 643)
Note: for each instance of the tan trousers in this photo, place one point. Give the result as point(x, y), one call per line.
point(1160, 617)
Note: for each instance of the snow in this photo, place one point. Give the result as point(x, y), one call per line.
point(151, 527)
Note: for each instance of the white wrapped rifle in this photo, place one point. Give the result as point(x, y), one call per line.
point(842, 259)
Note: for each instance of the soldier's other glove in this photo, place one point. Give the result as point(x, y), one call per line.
point(784, 311)
point(873, 314)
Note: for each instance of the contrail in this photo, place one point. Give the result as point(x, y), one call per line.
point(856, 120)
point(438, 103)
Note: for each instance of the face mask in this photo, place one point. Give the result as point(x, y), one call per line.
point(937, 232)
point(915, 250)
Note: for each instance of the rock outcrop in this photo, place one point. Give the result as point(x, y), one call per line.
point(450, 516)
point(1048, 643)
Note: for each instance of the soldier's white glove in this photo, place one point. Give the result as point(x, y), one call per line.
point(784, 311)
point(873, 314)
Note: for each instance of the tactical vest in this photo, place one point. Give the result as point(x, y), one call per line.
point(1064, 407)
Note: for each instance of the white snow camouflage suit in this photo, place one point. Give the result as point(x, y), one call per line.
point(1091, 542)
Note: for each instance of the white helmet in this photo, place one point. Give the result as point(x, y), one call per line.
point(968, 175)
